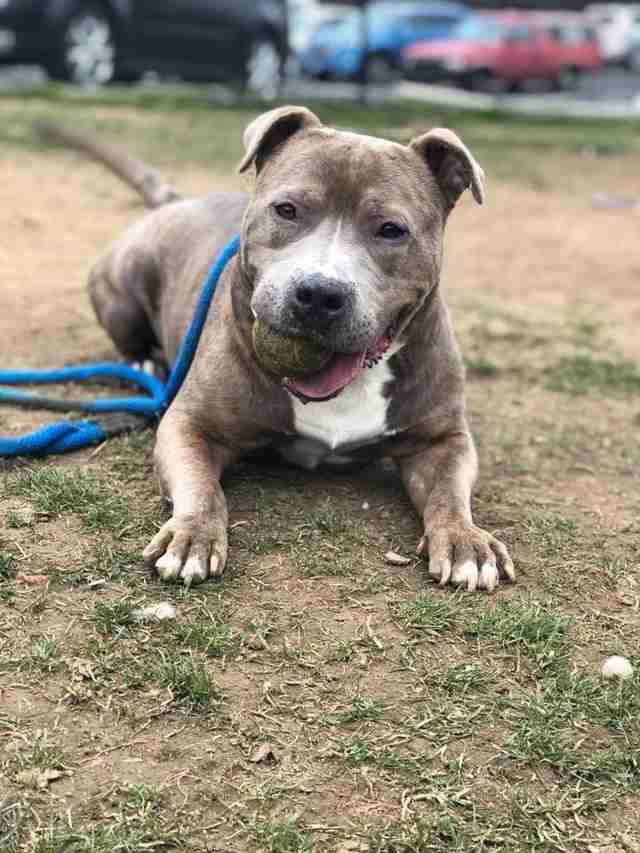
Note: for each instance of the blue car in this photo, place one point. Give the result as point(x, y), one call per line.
point(335, 51)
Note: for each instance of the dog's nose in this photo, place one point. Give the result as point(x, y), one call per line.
point(319, 301)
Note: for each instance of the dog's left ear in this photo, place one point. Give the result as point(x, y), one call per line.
point(452, 164)
point(271, 130)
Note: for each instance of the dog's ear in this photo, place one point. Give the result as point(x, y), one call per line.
point(270, 130)
point(452, 164)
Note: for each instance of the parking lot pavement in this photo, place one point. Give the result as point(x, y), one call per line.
point(612, 92)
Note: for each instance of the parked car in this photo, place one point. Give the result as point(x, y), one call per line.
point(335, 50)
point(617, 26)
point(490, 51)
point(97, 41)
point(305, 17)
point(576, 44)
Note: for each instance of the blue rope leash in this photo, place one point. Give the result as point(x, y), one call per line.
point(121, 413)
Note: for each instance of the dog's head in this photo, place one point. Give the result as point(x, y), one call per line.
point(342, 239)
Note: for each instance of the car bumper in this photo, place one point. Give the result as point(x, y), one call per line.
point(432, 71)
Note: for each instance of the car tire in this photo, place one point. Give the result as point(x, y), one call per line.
point(264, 69)
point(633, 59)
point(567, 79)
point(381, 70)
point(86, 48)
point(481, 80)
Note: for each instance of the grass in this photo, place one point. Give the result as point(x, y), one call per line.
point(362, 708)
point(509, 145)
point(427, 614)
point(212, 637)
point(189, 682)
point(532, 628)
point(551, 533)
point(45, 654)
point(7, 573)
point(586, 374)
point(113, 617)
point(463, 678)
point(281, 836)
point(135, 827)
point(400, 718)
point(42, 755)
point(54, 491)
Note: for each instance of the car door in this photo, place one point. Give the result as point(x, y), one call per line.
point(190, 37)
point(519, 52)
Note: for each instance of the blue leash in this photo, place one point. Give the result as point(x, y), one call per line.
point(120, 413)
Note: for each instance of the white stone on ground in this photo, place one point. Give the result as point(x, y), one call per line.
point(156, 612)
point(616, 667)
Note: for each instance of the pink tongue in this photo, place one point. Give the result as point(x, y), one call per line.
point(342, 369)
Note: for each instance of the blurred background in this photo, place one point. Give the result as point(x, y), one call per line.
point(535, 54)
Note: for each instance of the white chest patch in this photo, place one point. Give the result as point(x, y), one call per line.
point(356, 416)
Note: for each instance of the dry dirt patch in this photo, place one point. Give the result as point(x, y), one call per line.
point(319, 698)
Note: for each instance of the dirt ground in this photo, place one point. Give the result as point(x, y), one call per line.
point(319, 698)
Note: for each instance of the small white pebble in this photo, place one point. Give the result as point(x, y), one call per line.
point(616, 667)
point(156, 612)
point(396, 559)
point(366, 505)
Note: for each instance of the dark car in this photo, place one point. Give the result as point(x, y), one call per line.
point(97, 41)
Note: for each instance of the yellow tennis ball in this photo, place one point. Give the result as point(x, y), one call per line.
point(286, 355)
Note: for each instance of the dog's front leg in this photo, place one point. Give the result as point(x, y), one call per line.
point(439, 480)
point(192, 545)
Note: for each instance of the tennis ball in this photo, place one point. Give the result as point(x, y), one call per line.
point(286, 355)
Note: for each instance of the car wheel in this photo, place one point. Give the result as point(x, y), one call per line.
point(567, 79)
point(86, 53)
point(633, 59)
point(264, 69)
point(380, 70)
point(481, 81)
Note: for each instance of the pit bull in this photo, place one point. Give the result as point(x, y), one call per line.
point(341, 242)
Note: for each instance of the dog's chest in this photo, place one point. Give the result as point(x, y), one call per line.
point(356, 417)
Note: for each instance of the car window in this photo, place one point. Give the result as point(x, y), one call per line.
point(476, 28)
point(426, 22)
point(522, 32)
point(556, 33)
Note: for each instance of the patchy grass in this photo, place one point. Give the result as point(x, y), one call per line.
point(315, 697)
point(113, 617)
point(7, 573)
point(189, 682)
point(282, 836)
point(585, 374)
point(136, 826)
point(533, 628)
point(54, 491)
point(428, 614)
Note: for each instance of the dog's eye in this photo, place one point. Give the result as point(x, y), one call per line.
point(391, 231)
point(286, 211)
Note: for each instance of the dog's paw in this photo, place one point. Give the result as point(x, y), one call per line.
point(189, 549)
point(465, 555)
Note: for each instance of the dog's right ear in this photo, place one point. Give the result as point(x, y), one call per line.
point(271, 130)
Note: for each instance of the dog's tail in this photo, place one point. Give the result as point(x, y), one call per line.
point(142, 178)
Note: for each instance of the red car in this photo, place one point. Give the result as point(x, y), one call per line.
point(496, 51)
point(576, 43)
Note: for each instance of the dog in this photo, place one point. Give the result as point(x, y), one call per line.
point(341, 243)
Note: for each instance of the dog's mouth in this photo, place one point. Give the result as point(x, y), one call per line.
point(341, 370)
